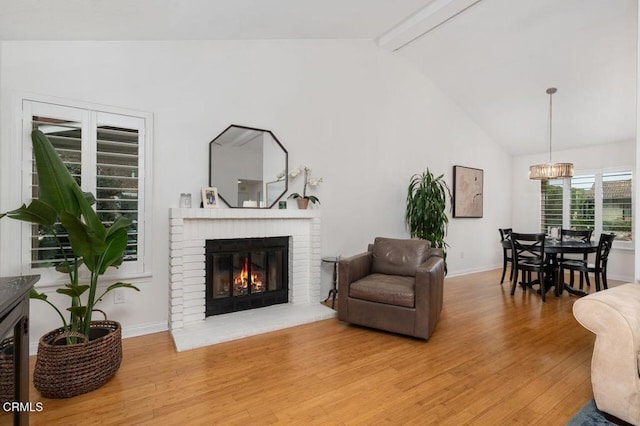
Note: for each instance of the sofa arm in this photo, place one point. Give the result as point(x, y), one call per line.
point(614, 316)
point(351, 269)
point(429, 291)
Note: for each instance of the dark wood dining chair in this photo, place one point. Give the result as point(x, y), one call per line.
point(527, 251)
point(599, 268)
point(505, 241)
point(575, 235)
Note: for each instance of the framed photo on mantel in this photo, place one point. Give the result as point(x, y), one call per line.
point(467, 192)
point(209, 197)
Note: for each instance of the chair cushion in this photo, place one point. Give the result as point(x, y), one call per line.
point(390, 289)
point(399, 257)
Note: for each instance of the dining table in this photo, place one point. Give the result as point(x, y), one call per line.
point(555, 249)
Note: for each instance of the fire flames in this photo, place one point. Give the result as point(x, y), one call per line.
point(241, 281)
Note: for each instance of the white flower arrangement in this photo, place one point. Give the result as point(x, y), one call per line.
point(308, 182)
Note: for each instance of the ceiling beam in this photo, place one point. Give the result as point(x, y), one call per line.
point(434, 14)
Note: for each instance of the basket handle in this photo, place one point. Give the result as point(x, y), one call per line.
point(66, 334)
point(101, 311)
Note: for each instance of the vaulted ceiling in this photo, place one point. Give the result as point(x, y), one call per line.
point(494, 58)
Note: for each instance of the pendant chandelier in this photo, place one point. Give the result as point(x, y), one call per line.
point(550, 170)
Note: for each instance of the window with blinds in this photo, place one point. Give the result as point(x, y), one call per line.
point(601, 202)
point(117, 180)
point(582, 210)
point(104, 152)
point(616, 204)
point(551, 204)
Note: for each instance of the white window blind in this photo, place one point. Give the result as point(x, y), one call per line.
point(582, 212)
point(117, 180)
point(600, 201)
point(551, 204)
point(104, 151)
point(616, 204)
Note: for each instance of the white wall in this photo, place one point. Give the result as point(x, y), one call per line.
point(526, 193)
point(360, 117)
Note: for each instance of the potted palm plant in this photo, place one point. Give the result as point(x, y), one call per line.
point(83, 354)
point(426, 205)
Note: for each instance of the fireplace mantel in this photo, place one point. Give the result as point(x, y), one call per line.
point(178, 213)
point(190, 228)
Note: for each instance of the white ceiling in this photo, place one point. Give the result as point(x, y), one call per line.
point(199, 19)
point(494, 58)
point(498, 57)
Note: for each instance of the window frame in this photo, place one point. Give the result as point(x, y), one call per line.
point(91, 115)
point(599, 201)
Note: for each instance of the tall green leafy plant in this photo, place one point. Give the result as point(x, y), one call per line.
point(426, 208)
point(61, 201)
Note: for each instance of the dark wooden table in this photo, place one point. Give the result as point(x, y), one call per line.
point(553, 248)
point(14, 340)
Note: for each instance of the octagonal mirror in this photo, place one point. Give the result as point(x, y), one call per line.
point(248, 166)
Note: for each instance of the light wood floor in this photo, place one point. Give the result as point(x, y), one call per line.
point(493, 359)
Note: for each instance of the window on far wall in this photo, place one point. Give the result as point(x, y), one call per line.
point(105, 153)
point(616, 204)
point(551, 203)
point(601, 202)
point(582, 212)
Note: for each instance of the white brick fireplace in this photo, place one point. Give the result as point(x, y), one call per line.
point(190, 228)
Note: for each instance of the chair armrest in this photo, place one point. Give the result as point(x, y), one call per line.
point(429, 275)
point(436, 252)
point(354, 268)
point(614, 316)
point(429, 293)
point(351, 269)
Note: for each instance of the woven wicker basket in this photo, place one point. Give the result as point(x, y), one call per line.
point(7, 388)
point(63, 371)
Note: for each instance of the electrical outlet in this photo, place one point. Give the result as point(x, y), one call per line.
point(118, 295)
point(461, 255)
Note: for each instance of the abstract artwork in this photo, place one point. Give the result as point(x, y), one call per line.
point(467, 191)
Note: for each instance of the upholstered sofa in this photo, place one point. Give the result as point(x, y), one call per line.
point(614, 316)
point(397, 286)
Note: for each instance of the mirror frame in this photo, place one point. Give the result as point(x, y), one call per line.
point(286, 168)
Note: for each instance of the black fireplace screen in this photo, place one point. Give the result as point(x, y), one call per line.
point(246, 273)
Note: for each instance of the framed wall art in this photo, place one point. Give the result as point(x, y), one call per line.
point(467, 191)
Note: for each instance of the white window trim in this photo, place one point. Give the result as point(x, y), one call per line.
point(566, 202)
point(49, 277)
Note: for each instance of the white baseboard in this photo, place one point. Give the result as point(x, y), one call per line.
point(473, 270)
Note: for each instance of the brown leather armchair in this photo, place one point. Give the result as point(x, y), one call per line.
point(397, 286)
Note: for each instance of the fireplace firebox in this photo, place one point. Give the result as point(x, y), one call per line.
point(246, 273)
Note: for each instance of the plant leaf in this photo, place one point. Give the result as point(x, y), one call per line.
point(67, 267)
point(55, 183)
point(37, 212)
point(116, 243)
point(121, 285)
point(83, 243)
point(33, 294)
point(73, 290)
point(94, 224)
point(120, 223)
point(80, 311)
